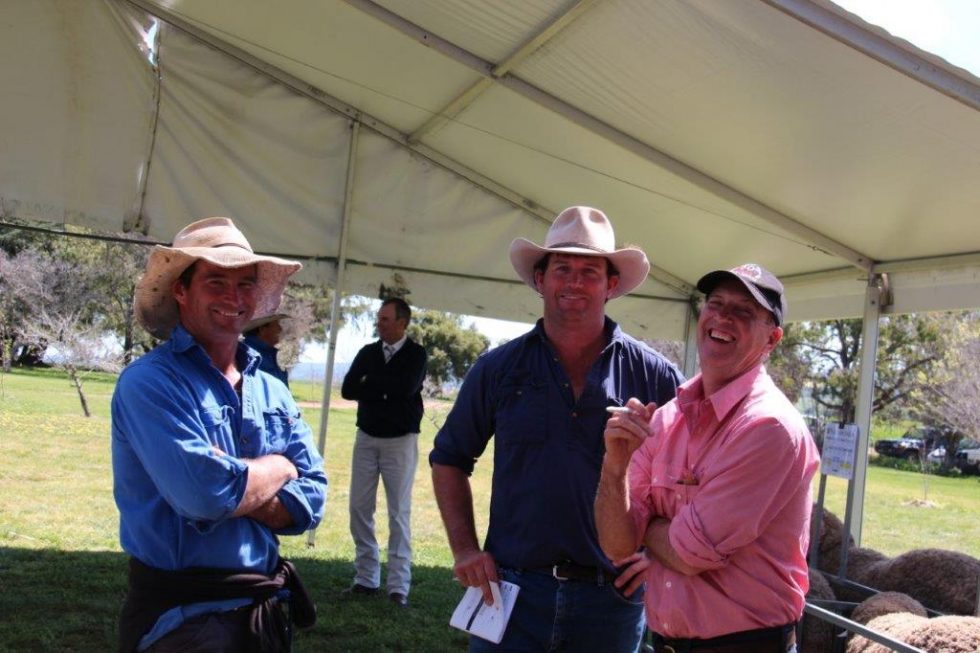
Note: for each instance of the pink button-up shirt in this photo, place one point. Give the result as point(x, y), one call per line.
point(732, 472)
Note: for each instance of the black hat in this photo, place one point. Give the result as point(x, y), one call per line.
point(760, 282)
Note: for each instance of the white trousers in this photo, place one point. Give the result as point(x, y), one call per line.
point(394, 460)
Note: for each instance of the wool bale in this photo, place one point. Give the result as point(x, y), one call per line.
point(863, 568)
point(942, 580)
point(949, 634)
point(818, 635)
point(897, 625)
point(886, 603)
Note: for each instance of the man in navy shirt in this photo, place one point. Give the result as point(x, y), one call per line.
point(263, 335)
point(210, 459)
point(543, 396)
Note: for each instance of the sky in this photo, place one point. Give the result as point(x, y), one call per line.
point(947, 28)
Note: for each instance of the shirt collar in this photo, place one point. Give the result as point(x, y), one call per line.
point(396, 345)
point(610, 329)
point(725, 399)
point(181, 340)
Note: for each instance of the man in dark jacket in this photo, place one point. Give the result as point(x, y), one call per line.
point(386, 380)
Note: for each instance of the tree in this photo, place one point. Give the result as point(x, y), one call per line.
point(59, 295)
point(827, 355)
point(119, 265)
point(112, 269)
point(20, 284)
point(451, 347)
point(949, 396)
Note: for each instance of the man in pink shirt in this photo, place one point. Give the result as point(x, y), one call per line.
point(716, 484)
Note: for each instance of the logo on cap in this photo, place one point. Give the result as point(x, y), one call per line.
point(750, 270)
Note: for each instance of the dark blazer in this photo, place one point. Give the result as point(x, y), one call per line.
point(389, 395)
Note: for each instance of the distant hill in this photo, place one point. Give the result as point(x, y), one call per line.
point(315, 372)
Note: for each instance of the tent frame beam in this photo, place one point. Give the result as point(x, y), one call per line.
point(613, 135)
point(306, 89)
point(840, 26)
point(467, 97)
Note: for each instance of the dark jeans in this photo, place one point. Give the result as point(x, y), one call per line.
point(553, 615)
point(216, 632)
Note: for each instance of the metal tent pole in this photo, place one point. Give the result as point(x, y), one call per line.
point(876, 293)
point(335, 306)
point(690, 342)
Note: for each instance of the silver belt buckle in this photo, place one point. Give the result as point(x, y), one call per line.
point(554, 572)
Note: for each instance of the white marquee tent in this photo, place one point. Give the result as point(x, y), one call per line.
point(408, 141)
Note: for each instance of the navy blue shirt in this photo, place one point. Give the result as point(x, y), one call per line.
point(267, 362)
point(549, 447)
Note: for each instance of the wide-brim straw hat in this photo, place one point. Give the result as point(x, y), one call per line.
point(265, 319)
point(219, 242)
point(582, 231)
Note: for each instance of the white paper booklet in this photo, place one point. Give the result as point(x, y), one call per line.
point(487, 621)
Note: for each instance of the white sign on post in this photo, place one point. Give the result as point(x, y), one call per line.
point(839, 449)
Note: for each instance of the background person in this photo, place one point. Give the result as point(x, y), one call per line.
point(718, 488)
point(543, 396)
point(263, 335)
point(210, 459)
point(386, 381)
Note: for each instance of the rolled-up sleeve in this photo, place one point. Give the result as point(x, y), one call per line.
point(304, 497)
point(468, 427)
point(762, 469)
point(641, 507)
point(168, 434)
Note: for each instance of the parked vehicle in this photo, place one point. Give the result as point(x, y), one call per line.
point(908, 448)
point(915, 443)
point(967, 457)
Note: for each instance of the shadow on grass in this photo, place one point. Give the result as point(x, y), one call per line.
point(69, 601)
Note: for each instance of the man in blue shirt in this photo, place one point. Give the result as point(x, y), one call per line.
point(211, 460)
point(263, 335)
point(543, 396)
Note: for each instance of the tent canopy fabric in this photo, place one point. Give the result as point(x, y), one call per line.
point(783, 132)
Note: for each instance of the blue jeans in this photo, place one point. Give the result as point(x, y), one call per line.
point(553, 615)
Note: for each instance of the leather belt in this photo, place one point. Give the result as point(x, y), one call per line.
point(745, 640)
point(571, 571)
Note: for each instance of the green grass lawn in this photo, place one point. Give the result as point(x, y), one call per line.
point(62, 574)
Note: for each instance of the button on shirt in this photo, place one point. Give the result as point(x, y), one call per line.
point(548, 446)
point(732, 472)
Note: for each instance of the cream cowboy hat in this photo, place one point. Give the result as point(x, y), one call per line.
point(217, 241)
point(582, 231)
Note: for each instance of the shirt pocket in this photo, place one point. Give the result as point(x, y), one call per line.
point(216, 423)
point(521, 411)
point(278, 429)
point(671, 488)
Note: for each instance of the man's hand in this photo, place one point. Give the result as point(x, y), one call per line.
point(477, 569)
point(266, 476)
point(625, 433)
point(273, 514)
point(657, 540)
point(633, 577)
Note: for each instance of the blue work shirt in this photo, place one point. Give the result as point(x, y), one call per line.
point(175, 493)
point(549, 447)
point(268, 362)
